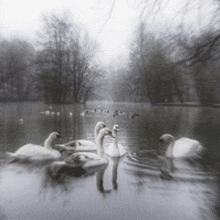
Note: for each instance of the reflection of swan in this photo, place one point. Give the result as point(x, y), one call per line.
point(82, 144)
point(32, 152)
point(166, 168)
point(99, 182)
point(100, 175)
point(86, 160)
point(115, 149)
point(183, 147)
point(115, 172)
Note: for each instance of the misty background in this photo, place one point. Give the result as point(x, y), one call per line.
point(134, 51)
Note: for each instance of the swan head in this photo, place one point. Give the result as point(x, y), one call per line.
point(115, 129)
point(166, 139)
point(100, 124)
point(51, 140)
point(54, 136)
point(103, 132)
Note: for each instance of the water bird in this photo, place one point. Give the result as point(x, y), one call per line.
point(115, 149)
point(83, 114)
point(132, 115)
point(83, 144)
point(21, 121)
point(86, 160)
point(70, 114)
point(181, 148)
point(47, 112)
point(115, 113)
point(33, 152)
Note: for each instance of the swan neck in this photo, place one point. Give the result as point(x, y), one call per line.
point(100, 149)
point(169, 151)
point(96, 132)
point(48, 144)
point(115, 140)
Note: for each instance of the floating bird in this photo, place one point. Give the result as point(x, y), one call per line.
point(183, 147)
point(85, 160)
point(83, 144)
point(115, 149)
point(33, 152)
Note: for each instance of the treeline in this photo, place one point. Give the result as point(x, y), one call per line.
point(167, 67)
point(60, 68)
point(172, 68)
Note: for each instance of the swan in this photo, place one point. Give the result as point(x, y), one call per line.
point(115, 149)
point(82, 144)
point(85, 160)
point(32, 152)
point(181, 148)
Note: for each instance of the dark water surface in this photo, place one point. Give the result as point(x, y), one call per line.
point(131, 187)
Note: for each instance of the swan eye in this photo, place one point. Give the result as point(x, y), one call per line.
point(58, 136)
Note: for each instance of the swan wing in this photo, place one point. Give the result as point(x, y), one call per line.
point(85, 145)
point(121, 150)
point(186, 147)
point(89, 155)
point(112, 151)
point(89, 159)
point(35, 152)
point(80, 145)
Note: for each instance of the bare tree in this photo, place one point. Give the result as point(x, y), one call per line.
point(65, 61)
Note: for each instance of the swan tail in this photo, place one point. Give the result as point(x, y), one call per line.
point(10, 154)
point(12, 157)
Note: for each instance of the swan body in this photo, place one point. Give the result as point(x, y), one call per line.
point(85, 145)
point(32, 152)
point(85, 160)
point(115, 149)
point(181, 148)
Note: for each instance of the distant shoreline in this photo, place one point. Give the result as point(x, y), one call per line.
point(186, 104)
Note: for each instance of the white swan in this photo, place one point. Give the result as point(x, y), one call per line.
point(115, 149)
point(85, 160)
point(82, 144)
point(32, 152)
point(180, 148)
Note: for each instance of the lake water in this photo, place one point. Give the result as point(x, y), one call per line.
point(131, 187)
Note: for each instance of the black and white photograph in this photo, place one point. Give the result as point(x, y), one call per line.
point(110, 109)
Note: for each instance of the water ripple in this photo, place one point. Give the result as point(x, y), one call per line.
point(151, 165)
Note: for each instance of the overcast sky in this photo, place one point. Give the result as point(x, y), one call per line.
point(21, 18)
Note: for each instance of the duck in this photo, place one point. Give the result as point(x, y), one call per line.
point(70, 114)
point(83, 114)
point(85, 160)
point(82, 144)
point(115, 149)
point(181, 148)
point(33, 152)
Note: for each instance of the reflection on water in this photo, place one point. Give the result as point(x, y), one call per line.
point(136, 186)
